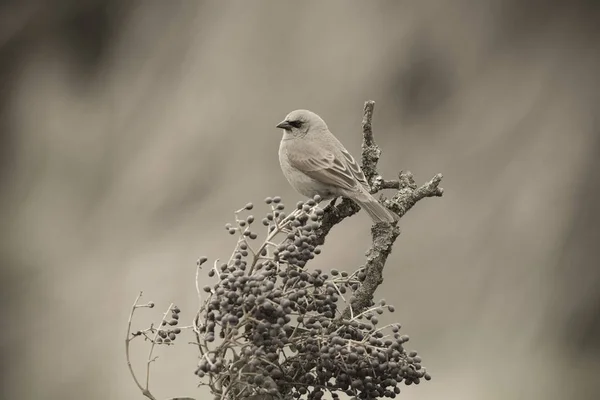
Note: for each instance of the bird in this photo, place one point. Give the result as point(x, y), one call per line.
point(315, 162)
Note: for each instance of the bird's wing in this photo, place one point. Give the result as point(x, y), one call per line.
point(322, 165)
point(355, 168)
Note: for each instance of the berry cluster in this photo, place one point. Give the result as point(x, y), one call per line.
point(166, 335)
point(269, 326)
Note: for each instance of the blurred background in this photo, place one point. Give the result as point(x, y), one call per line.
point(131, 130)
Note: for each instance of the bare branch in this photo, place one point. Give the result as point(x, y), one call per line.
point(150, 358)
point(370, 151)
point(409, 194)
point(384, 236)
point(333, 215)
point(128, 339)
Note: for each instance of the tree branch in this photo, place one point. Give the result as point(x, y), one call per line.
point(370, 151)
point(383, 235)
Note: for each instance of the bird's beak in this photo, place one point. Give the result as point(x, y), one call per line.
point(284, 125)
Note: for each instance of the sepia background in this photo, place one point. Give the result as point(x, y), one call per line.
point(131, 130)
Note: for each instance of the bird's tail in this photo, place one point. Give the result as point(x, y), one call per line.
point(375, 209)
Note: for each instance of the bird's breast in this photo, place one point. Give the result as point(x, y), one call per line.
point(302, 183)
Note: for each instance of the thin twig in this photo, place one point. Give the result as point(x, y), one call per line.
point(128, 339)
point(150, 358)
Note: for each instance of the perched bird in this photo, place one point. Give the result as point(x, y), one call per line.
point(315, 162)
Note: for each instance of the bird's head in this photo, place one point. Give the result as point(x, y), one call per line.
point(301, 122)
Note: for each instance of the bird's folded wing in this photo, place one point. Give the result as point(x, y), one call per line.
point(355, 168)
point(323, 166)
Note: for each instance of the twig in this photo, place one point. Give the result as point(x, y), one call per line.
point(150, 358)
point(409, 194)
point(370, 151)
point(128, 339)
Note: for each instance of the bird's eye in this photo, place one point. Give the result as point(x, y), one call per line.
point(296, 124)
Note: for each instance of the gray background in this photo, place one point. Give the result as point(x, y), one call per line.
point(130, 131)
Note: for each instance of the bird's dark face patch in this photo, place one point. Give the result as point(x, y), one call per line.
point(297, 123)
